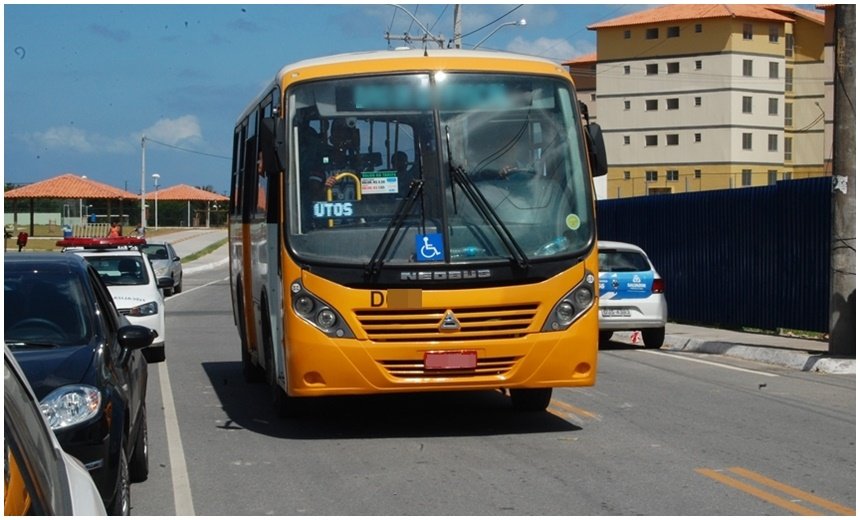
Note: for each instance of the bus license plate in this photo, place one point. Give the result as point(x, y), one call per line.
point(613, 313)
point(450, 360)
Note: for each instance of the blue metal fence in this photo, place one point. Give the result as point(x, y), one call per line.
point(753, 257)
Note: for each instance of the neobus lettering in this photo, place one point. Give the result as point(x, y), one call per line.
point(332, 209)
point(445, 275)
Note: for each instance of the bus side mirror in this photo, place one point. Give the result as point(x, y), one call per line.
point(272, 143)
point(596, 150)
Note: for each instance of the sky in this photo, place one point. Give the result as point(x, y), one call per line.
point(84, 83)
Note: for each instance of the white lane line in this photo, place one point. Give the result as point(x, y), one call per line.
point(182, 501)
point(197, 288)
point(694, 360)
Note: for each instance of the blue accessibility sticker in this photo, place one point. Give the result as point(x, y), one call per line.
point(429, 247)
point(621, 286)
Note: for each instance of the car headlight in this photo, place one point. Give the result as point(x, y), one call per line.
point(318, 313)
point(572, 305)
point(70, 405)
point(147, 309)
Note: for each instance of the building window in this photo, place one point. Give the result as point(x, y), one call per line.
point(650, 140)
point(771, 177)
point(788, 148)
point(746, 177)
point(593, 96)
point(773, 34)
point(747, 141)
point(748, 31)
point(672, 104)
point(789, 80)
point(747, 105)
point(651, 176)
point(652, 34)
point(626, 139)
point(698, 64)
point(774, 70)
point(697, 101)
point(673, 67)
point(671, 175)
point(673, 32)
point(698, 28)
point(789, 114)
point(627, 105)
point(651, 69)
point(650, 104)
point(786, 176)
point(697, 137)
point(772, 143)
point(627, 175)
point(672, 139)
point(789, 45)
point(773, 106)
point(627, 69)
point(748, 68)
point(626, 35)
point(697, 174)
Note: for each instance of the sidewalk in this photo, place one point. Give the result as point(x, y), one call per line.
point(795, 353)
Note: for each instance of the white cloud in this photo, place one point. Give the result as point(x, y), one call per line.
point(71, 138)
point(555, 49)
point(175, 131)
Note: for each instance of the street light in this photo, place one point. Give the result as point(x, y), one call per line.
point(155, 178)
point(521, 23)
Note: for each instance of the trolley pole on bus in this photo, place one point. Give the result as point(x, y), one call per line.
point(843, 230)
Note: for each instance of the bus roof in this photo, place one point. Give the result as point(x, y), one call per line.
point(408, 54)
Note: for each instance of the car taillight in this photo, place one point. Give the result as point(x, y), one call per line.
point(658, 286)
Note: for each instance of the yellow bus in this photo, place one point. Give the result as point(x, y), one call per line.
point(416, 220)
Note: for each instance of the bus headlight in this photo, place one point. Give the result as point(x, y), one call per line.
point(572, 305)
point(318, 313)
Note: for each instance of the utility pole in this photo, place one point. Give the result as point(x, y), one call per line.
point(843, 232)
point(458, 26)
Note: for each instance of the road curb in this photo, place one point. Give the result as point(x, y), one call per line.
point(798, 360)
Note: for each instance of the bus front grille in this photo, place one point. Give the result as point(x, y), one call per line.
point(473, 323)
point(406, 369)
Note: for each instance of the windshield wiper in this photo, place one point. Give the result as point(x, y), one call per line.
point(403, 210)
point(458, 175)
point(21, 343)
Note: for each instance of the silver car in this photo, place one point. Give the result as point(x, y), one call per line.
point(41, 478)
point(166, 264)
point(631, 293)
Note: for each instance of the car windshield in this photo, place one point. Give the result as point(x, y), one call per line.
point(506, 181)
point(622, 262)
point(44, 308)
point(120, 270)
point(156, 251)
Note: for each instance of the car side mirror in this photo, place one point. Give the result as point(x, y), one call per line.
point(165, 283)
point(134, 337)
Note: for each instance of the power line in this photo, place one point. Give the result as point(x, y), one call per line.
point(188, 150)
point(491, 23)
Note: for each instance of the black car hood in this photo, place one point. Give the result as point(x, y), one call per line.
point(47, 369)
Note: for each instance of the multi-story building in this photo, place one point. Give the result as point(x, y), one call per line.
point(710, 96)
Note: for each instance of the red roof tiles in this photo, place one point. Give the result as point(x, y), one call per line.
point(681, 12)
point(185, 192)
point(68, 186)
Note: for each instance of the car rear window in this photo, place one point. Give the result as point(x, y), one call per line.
point(622, 262)
point(120, 270)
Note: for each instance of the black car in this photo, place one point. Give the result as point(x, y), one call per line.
point(84, 362)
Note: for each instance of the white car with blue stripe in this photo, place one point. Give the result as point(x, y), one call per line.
point(631, 293)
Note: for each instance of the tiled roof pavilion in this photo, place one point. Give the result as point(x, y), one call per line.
point(69, 186)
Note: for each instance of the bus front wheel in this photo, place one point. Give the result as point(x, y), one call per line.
point(285, 405)
point(531, 399)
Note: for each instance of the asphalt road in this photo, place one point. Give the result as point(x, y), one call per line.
point(660, 434)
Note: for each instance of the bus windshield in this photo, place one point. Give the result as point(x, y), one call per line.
point(495, 164)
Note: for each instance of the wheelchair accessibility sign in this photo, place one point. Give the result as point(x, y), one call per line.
point(429, 247)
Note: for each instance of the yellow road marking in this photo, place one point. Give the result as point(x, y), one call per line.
point(573, 409)
point(797, 493)
point(770, 497)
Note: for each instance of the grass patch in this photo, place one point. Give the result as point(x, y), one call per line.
point(205, 251)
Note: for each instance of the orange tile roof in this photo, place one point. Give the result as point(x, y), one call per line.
point(682, 12)
point(185, 192)
point(68, 186)
point(796, 11)
point(585, 59)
